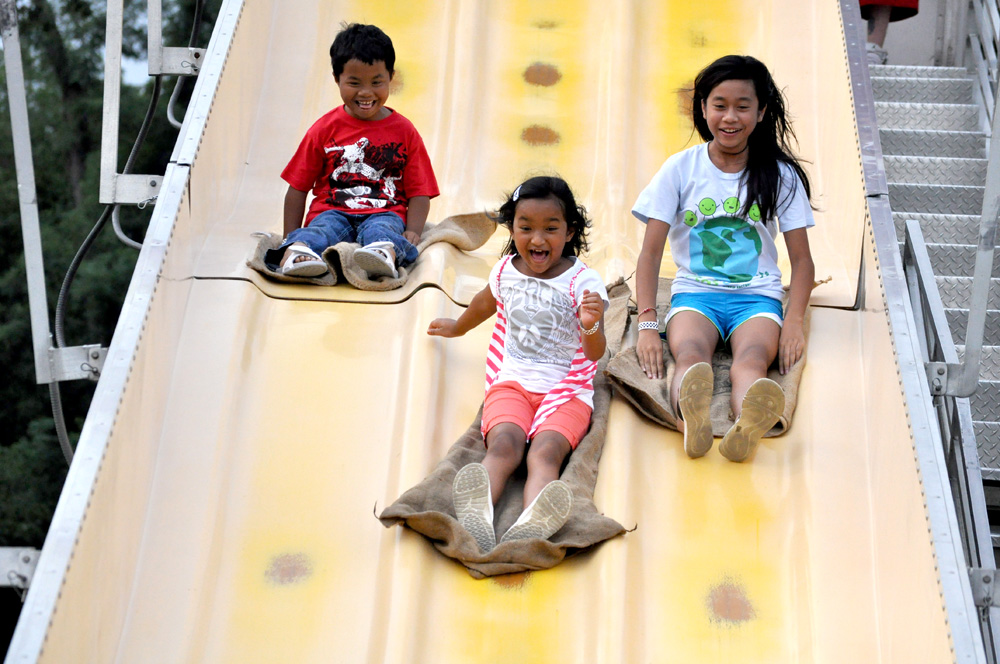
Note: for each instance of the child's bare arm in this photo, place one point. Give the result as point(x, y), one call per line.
point(483, 306)
point(792, 342)
point(295, 207)
point(647, 275)
point(417, 209)
point(591, 315)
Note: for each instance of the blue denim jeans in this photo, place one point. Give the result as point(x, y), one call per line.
point(332, 227)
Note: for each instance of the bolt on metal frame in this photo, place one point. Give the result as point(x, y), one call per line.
point(17, 566)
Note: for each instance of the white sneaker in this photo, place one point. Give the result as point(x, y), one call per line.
point(377, 259)
point(474, 504)
point(546, 514)
point(876, 54)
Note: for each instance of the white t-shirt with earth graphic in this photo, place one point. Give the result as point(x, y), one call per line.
point(714, 247)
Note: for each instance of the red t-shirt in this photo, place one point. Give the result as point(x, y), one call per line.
point(361, 166)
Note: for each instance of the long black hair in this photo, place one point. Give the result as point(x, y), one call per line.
point(770, 141)
point(547, 186)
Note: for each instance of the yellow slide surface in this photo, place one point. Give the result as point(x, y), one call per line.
point(257, 425)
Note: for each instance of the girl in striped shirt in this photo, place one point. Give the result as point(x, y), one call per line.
point(541, 361)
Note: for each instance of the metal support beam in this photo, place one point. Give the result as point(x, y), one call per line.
point(122, 187)
point(17, 566)
point(115, 187)
point(51, 364)
point(165, 59)
point(24, 165)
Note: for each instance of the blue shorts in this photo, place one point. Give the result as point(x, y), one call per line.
point(727, 311)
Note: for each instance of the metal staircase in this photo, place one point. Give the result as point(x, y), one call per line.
point(934, 141)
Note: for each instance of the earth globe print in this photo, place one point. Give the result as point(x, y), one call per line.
point(727, 249)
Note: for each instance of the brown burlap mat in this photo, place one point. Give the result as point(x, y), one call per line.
point(652, 397)
point(465, 231)
point(428, 508)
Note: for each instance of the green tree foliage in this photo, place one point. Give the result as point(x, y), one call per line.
point(62, 44)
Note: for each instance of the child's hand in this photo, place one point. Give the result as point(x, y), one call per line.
point(411, 237)
point(791, 346)
point(443, 327)
point(649, 348)
point(591, 309)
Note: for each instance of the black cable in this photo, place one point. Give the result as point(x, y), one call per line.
point(88, 242)
point(182, 80)
point(55, 392)
point(196, 23)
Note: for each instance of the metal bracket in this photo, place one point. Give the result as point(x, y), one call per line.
point(17, 566)
point(77, 362)
point(939, 374)
point(171, 60)
point(136, 188)
point(984, 587)
point(176, 60)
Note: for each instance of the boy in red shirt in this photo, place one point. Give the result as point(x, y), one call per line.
point(366, 165)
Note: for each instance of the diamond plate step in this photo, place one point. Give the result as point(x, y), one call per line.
point(956, 291)
point(989, 363)
point(940, 228)
point(985, 401)
point(988, 442)
point(933, 143)
point(935, 165)
point(915, 71)
point(953, 260)
point(935, 170)
point(922, 90)
point(947, 117)
point(936, 198)
point(958, 322)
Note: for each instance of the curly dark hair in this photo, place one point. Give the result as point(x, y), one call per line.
point(548, 186)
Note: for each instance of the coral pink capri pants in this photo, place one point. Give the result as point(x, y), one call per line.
point(509, 402)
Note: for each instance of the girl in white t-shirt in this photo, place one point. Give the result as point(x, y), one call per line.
point(721, 205)
point(541, 361)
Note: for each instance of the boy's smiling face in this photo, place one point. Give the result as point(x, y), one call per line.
point(364, 89)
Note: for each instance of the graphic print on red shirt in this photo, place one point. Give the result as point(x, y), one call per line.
point(361, 167)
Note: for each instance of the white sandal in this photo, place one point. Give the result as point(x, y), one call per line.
point(376, 260)
point(313, 267)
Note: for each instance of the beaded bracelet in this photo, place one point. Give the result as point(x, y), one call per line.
point(649, 325)
point(645, 311)
point(592, 330)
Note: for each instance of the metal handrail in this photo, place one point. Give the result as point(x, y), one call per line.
point(961, 379)
point(982, 47)
point(957, 434)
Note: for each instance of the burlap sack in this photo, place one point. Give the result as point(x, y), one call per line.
point(428, 507)
point(652, 397)
point(465, 231)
